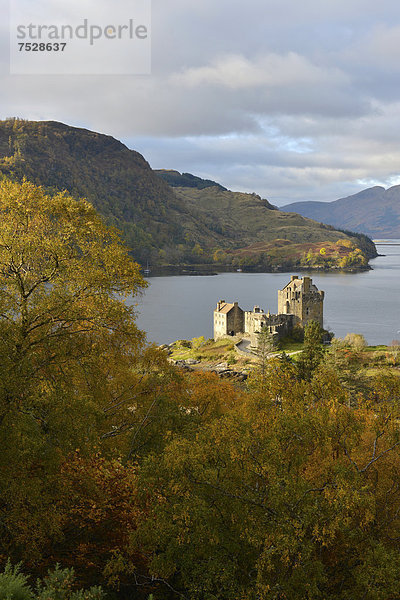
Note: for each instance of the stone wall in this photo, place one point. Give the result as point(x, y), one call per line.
point(220, 325)
point(279, 324)
point(302, 299)
point(228, 319)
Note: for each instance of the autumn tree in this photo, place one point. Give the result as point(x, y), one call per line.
point(395, 350)
point(293, 499)
point(97, 508)
point(345, 360)
point(265, 345)
point(72, 361)
point(355, 340)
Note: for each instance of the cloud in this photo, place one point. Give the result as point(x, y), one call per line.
point(379, 48)
point(290, 100)
point(236, 72)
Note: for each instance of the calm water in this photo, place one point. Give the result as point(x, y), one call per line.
point(369, 303)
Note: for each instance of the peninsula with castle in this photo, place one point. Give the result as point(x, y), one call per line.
point(299, 302)
point(236, 332)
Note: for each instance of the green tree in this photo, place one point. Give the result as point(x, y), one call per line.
point(197, 250)
point(346, 361)
point(265, 345)
point(313, 351)
point(14, 584)
point(59, 584)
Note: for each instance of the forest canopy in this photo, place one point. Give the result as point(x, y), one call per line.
point(150, 481)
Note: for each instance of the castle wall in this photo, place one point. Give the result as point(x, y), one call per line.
point(299, 302)
point(228, 319)
point(313, 308)
point(302, 299)
point(220, 325)
point(278, 326)
point(235, 321)
point(254, 320)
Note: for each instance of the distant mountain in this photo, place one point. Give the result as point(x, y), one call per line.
point(374, 211)
point(176, 179)
point(195, 221)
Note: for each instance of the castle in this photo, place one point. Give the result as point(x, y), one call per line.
point(299, 302)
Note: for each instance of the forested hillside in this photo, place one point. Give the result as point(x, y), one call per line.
point(176, 179)
point(119, 182)
point(196, 221)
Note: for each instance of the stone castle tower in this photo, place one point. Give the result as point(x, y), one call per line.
point(301, 298)
point(299, 302)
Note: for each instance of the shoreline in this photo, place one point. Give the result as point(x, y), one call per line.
point(211, 270)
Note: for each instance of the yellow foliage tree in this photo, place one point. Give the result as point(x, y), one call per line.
point(70, 352)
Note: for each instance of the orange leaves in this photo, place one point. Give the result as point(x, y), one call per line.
point(210, 395)
point(289, 482)
point(99, 511)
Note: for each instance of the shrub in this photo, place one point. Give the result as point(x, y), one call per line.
point(14, 584)
point(355, 340)
point(59, 584)
point(198, 342)
point(184, 343)
point(297, 334)
point(232, 360)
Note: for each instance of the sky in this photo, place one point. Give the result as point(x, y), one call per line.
point(292, 100)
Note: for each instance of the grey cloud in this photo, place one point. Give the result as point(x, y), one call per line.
point(292, 100)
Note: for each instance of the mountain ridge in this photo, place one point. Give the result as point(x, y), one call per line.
point(374, 211)
point(177, 179)
point(160, 223)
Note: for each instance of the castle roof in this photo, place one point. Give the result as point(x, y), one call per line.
point(224, 308)
point(298, 283)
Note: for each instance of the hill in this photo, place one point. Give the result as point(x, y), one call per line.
point(263, 236)
point(176, 179)
point(248, 218)
point(118, 181)
point(196, 222)
point(374, 211)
